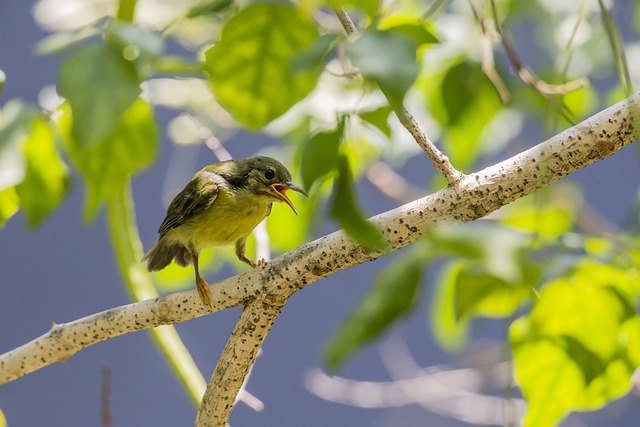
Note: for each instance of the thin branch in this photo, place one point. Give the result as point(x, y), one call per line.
point(546, 90)
point(477, 195)
point(439, 160)
point(486, 52)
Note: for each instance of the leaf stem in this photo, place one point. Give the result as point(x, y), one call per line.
point(139, 283)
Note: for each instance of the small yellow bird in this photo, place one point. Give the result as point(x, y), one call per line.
point(221, 205)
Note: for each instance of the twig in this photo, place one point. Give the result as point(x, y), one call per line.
point(488, 60)
point(439, 160)
point(546, 90)
point(477, 195)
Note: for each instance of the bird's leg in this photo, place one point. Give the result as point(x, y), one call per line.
point(240, 247)
point(203, 287)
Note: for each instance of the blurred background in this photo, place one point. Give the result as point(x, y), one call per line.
point(65, 270)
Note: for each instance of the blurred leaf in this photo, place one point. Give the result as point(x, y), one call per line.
point(9, 204)
point(379, 118)
point(347, 213)
point(578, 348)
point(250, 68)
point(15, 123)
point(45, 182)
point(387, 58)
point(418, 30)
point(149, 44)
point(208, 8)
point(465, 290)
point(464, 102)
point(62, 41)
point(394, 294)
point(108, 165)
point(369, 7)
point(3, 420)
point(3, 78)
point(320, 155)
point(581, 102)
point(549, 214)
point(99, 85)
point(313, 57)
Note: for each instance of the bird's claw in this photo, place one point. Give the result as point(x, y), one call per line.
point(260, 262)
point(203, 291)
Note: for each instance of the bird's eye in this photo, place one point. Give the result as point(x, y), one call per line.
point(269, 174)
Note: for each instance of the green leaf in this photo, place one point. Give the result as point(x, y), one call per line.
point(9, 204)
point(394, 294)
point(578, 348)
point(3, 420)
point(387, 58)
point(379, 118)
point(348, 214)
point(465, 290)
point(250, 68)
point(99, 85)
point(3, 78)
point(208, 8)
point(45, 183)
point(320, 155)
point(108, 165)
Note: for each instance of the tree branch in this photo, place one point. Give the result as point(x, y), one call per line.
point(236, 359)
point(265, 289)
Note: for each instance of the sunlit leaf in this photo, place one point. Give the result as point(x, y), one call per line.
point(100, 84)
point(379, 118)
point(108, 165)
point(387, 58)
point(548, 214)
point(393, 295)
point(45, 182)
point(9, 204)
point(3, 420)
point(574, 351)
point(210, 7)
point(348, 214)
point(250, 68)
point(320, 155)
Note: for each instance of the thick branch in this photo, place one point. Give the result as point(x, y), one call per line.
point(478, 195)
point(237, 357)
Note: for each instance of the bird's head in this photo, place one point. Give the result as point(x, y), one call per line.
point(266, 176)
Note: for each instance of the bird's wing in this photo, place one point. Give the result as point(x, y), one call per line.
point(197, 196)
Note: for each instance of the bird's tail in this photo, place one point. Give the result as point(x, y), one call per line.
point(162, 253)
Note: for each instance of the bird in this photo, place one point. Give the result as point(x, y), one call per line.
point(220, 205)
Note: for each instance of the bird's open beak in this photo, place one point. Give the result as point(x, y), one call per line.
point(280, 193)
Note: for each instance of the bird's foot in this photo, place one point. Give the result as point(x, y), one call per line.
point(203, 291)
point(260, 262)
